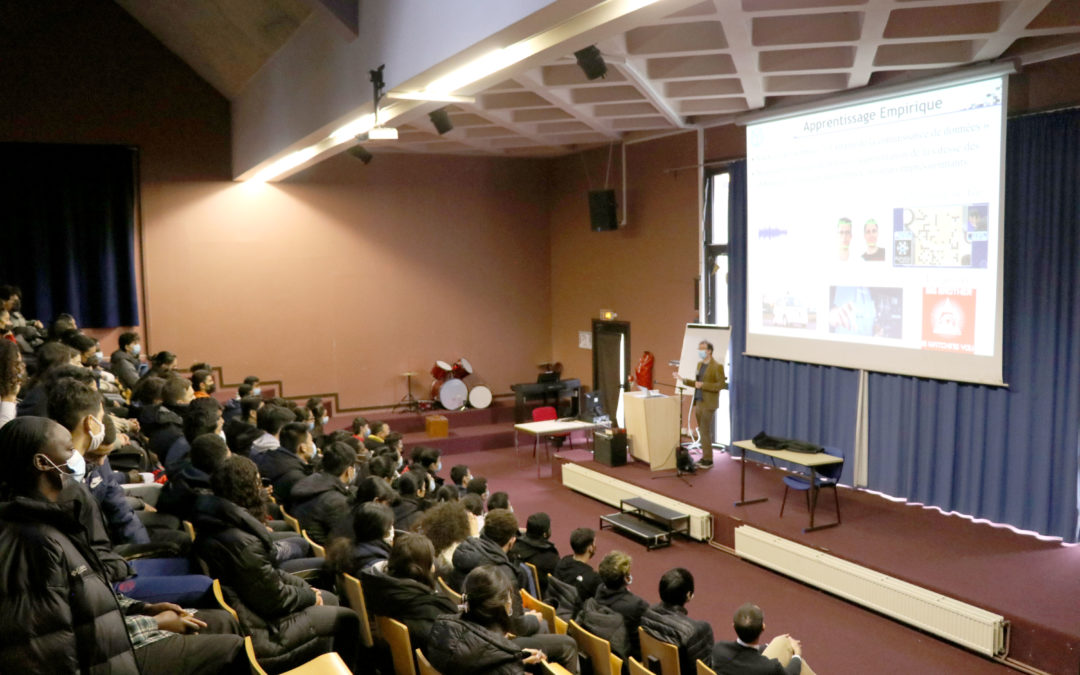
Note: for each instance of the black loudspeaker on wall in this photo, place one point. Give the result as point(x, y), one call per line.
point(602, 210)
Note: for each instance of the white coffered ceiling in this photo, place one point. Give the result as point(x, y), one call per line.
point(699, 65)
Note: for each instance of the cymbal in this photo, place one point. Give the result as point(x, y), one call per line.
point(408, 374)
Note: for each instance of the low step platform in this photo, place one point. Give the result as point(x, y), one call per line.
point(629, 523)
point(648, 521)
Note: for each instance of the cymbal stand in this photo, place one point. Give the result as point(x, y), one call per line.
point(408, 401)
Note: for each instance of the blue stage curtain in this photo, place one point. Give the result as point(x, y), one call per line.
point(68, 223)
point(1005, 454)
point(782, 398)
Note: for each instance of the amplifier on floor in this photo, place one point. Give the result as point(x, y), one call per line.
point(610, 447)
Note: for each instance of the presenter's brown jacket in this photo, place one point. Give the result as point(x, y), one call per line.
point(714, 381)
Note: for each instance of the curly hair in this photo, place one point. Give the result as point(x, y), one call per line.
point(445, 524)
point(11, 368)
point(237, 480)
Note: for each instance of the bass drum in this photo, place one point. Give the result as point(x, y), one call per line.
point(450, 393)
point(479, 396)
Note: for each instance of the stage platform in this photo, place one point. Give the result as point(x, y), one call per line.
point(1034, 584)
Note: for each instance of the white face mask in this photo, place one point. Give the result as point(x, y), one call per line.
point(96, 438)
point(438, 467)
point(136, 350)
point(325, 419)
point(257, 391)
point(702, 354)
point(77, 464)
point(100, 354)
point(310, 425)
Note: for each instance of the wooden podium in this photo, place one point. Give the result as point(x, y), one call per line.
point(652, 426)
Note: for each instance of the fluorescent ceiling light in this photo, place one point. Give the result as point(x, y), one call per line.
point(284, 164)
point(353, 129)
point(382, 134)
point(430, 96)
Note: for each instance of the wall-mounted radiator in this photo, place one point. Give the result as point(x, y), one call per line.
point(964, 624)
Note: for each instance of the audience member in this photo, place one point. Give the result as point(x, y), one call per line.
point(124, 362)
point(460, 476)
point(270, 420)
point(615, 594)
point(371, 538)
point(575, 568)
point(410, 505)
point(499, 500)
point(447, 493)
point(162, 364)
point(320, 500)
point(288, 463)
point(360, 428)
point(668, 620)
point(446, 525)
point(288, 620)
point(12, 374)
point(535, 547)
point(319, 416)
point(52, 565)
point(379, 431)
point(202, 382)
point(193, 479)
point(474, 507)
point(782, 656)
point(405, 589)
point(478, 486)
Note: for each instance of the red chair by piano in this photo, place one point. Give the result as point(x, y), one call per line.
point(547, 413)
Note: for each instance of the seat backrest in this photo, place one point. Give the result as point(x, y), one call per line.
point(597, 649)
point(544, 413)
point(249, 647)
point(703, 669)
point(190, 529)
point(636, 668)
point(445, 589)
point(220, 597)
point(354, 593)
point(290, 521)
point(396, 635)
point(546, 611)
point(665, 653)
point(317, 549)
point(424, 666)
point(831, 472)
point(535, 577)
point(555, 669)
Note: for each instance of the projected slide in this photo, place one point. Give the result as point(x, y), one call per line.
point(875, 232)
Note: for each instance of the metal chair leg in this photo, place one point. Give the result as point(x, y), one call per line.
point(836, 497)
point(784, 501)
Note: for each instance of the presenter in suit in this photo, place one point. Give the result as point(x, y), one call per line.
point(782, 656)
point(708, 383)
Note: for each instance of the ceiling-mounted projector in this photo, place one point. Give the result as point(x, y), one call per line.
point(382, 134)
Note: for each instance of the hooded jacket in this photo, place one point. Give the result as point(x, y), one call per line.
point(57, 611)
point(460, 647)
point(125, 367)
point(477, 551)
point(409, 601)
point(319, 501)
point(270, 603)
point(670, 623)
point(630, 606)
point(284, 469)
point(161, 426)
point(407, 511)
point(538, 551)
point(178, 495)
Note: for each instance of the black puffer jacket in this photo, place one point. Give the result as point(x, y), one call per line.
point(671, 624)
point(477, 551)
point(459, 647)
point(630, 606)
point(538, 551)
point(125, 367)
point(407, 511)
point(161, 426)
point(270, 602)
point(410, 602)
point(115, 568)
point(57, 611)
point(177, 497)
point(319, 501)
point(284, 469)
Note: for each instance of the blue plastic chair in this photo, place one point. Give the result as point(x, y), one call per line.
point(826, 477)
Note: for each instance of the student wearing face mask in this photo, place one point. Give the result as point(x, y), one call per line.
point(124, 362)
point(707, 384)
point(289, 463)
point(371, 538)
point(320, 500)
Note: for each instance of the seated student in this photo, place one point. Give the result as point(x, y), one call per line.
point(244, 416)
point(446, 493)
point(474, 507)
point(404, 588)
point(368, 543)
point(410, 505)
point(77, 407)
point(535, 547)
point(478, 485)
point(202, 382)
point(460, 477)
point(57, 611)
point(50, 356)
point(289, 621)
point(360, 428)
point(162, 365)
point(319, 416)
point(203, 416)
point(478, 641)
point(124, 362)
point(614, 593)
point(178, 494)
point(782, 656)
point(429, 459)
point(147, 392)
point(270, 420)
point(668, 621)
point(231, 409)
point(499, 500)
point(12, 376)
point(575, 568)
point(164, 424)
point(491, 548)
point(320, 500)
point(446, 525)
point(289, 463)
point(379, 431)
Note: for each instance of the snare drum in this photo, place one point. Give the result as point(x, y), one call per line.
point(462, 368)
point(440, 370)
point(451, 393)
point(479, 396)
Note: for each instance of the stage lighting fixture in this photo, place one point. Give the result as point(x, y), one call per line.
point(591, 62)
point(361, 154)
point(441, 119)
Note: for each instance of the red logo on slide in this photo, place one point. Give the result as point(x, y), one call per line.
point(949, 320)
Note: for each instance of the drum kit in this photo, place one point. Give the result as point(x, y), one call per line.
point(456, 384)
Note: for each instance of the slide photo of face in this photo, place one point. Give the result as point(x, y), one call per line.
point(869, 311)
point(873, 248)
point(843, 234)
